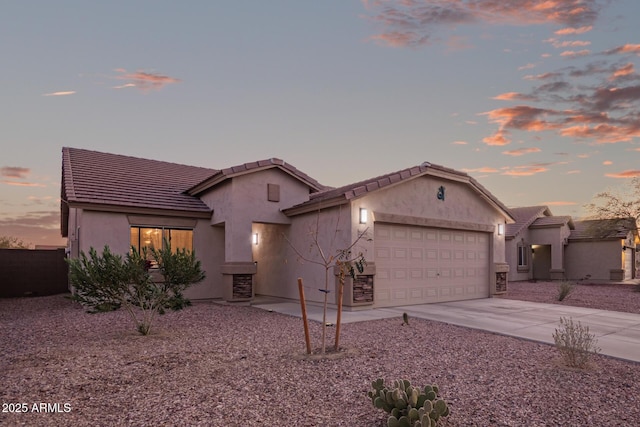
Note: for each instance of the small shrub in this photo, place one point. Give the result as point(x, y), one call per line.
point(408, 405)
point(575, 343)
point(564, 289)
point(108, 281)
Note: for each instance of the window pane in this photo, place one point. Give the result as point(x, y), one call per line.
point(151, 238)
point(135, 237)
point(181, 239)
point(522, 256)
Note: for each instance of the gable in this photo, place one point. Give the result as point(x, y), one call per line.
point(345, 194)
point(102, 179)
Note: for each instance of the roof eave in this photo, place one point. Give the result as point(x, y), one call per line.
point(106, 207)
point(315, 206)
point(220, 177)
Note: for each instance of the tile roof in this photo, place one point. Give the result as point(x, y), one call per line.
point(552, 221)
point(224, 174)
point(524, 217)
point(357, 189)
point(617, 228)
point(92, 177)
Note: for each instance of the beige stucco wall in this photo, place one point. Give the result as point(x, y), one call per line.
point(463, 207)
point(334, 233)
point(511, 256)
point(242, 200)
point(594, 258)
point(97, 229)
point(413, 200)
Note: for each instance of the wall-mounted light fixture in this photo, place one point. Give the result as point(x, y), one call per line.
point(500, 229)
point(363, 215)
point(254, 238)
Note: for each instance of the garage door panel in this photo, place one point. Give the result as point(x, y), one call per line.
point(418, 265)
point(416, 273)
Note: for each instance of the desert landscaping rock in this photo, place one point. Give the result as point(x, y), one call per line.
point(217, 365)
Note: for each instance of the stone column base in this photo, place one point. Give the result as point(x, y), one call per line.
point(238, 280)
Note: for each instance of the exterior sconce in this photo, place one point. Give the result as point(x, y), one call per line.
point(363, 215)
point(254, 238)
point(500, 229)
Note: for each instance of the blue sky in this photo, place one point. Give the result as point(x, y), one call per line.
point(539, 100)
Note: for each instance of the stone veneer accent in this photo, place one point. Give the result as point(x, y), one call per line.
point(363, 289)
point(501, 282)
point(242, 286)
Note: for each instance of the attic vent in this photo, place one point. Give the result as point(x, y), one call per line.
point(273, 192)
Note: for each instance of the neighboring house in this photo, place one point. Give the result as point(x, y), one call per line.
point(541, 246)
point(602, 250)
point(432, 234)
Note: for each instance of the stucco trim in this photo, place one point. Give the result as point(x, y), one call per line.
point(430, 222)
point(161, 221)
point(238, 268)
point(140, 210)
point(315, 206)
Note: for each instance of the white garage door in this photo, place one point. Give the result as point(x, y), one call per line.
point(417, 265)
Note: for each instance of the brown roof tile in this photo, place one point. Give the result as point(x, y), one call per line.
point(552, 221)
point(360, 188)
point(92, 177)
point(524, 217)
point(226, 173)
point(616, 228)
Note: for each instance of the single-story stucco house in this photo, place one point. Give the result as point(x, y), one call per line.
point(432, 234)
point(541, 246)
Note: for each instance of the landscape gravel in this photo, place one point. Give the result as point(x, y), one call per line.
point(221, 365)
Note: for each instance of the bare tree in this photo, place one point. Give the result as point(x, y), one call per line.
point(621, 207)
point(345, 259)
point(11, 242)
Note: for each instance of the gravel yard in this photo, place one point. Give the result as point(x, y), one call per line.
point(217, 365)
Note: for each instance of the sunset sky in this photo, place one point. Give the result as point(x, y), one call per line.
point(539, 100)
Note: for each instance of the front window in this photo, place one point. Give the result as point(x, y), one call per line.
point(154, 237)
point(523, 262)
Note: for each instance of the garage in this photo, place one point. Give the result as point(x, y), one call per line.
point(417, 265)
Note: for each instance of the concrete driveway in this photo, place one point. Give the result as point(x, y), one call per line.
point(618, 333)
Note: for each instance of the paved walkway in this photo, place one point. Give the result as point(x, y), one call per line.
point(618, 333)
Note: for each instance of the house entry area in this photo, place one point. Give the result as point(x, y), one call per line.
point(418, 265)
point(541, 262)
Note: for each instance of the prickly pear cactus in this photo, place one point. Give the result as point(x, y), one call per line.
point(408, 406)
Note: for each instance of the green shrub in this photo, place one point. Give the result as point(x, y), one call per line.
point(107, 281)
point(408, 405)
point(575, 343)
point(564, 289)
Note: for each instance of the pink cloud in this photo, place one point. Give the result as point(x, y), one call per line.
point(498, 138)
point(603, 133)
point(521, 151)
point(62, 93)
point(14, 172)
point(459, 143)
point(623, 71)
point(23, 184)
point(412, 23)
point(624, 174)
point(567, 43)
point(568, 31)
point(525, 170)
point(575, 54)
point(526, 67)
point(484, 169)
point(510, 96)
point(626, 48)
point(144, 80)
point(607, 162)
